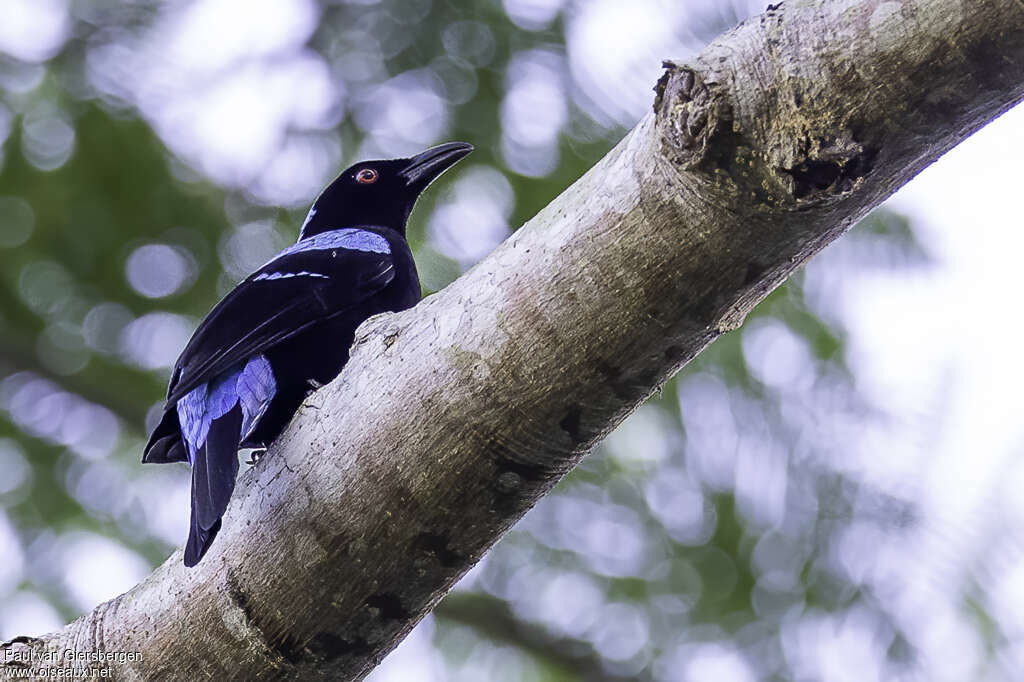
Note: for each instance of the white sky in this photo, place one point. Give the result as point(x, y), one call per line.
point(940, 349)
point(959, 322)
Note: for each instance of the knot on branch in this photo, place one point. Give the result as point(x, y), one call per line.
point(793, 157)
point(699, 133)
point(689, 113)
point(384, 326)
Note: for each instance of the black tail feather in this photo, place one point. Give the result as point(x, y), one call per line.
point(199, 540)
point(213, 481)
point(165, 444)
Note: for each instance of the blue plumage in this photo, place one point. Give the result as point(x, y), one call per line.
point(256, 387)
point(351, 238)
point(252, 386)
point(285, 275)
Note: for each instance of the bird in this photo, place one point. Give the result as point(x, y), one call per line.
point(286, 329)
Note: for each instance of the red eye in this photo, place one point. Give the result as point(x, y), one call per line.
point(367, 176)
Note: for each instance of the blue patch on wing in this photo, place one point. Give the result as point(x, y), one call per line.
point(351, 238)
point(285, 275)
point(256, 388)
point(253, 386)
point(192, 416)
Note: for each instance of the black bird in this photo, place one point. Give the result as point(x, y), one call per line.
point(287, 328)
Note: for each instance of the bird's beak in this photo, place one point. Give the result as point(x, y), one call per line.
point(426, 166)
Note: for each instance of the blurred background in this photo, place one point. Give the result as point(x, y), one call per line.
point(829, 493)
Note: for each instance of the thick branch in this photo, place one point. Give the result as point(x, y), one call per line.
point(453, 418)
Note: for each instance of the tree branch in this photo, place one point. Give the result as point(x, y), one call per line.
point(453, 418)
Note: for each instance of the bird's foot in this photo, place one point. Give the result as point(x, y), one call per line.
point(256, 455)
point(312, 386)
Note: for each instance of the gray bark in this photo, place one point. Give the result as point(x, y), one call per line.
point(453, 418)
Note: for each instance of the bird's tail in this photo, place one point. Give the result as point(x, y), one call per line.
point(165, 444)
point(199, 539)
point(214, 469)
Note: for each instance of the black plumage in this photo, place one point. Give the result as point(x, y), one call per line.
point(287, 328)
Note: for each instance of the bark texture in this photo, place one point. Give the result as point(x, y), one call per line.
point(453, 418)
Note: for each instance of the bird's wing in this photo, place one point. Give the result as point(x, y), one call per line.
point(289, 294)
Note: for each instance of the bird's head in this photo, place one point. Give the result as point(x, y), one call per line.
point(380, 192)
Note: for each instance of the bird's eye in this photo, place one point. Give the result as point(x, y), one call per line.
point(367, 176)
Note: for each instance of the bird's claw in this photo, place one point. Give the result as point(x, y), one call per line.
point(255, 456)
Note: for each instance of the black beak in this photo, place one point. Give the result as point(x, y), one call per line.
point(426, 166)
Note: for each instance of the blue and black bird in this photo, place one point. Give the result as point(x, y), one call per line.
point(287, 328)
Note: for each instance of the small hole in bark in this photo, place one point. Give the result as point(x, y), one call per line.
point(571, 423)
point(525, 470)
point(389, 606)
point(674, 353)
point(328, 646)
point(754, 271)
point(815, 176)
point(508, 482)
point(437, 545)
